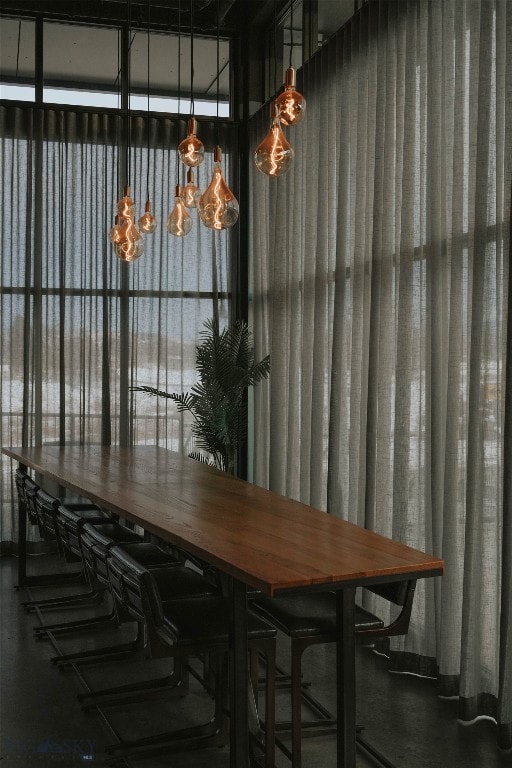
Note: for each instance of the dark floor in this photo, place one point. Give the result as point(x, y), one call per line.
point(42, 724)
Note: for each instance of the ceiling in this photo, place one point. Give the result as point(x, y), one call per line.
point(79, 56)
point(163, 14)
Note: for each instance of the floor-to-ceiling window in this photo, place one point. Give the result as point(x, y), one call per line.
point(380, 287)
point(79, 327)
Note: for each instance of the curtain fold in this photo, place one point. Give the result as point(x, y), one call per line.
point(380, 287)
point(78, 327)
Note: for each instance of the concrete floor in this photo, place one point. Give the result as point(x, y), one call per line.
point(42, 724)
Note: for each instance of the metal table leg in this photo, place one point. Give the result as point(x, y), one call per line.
point(346, 693)
point(22, 540)
point(239, 679)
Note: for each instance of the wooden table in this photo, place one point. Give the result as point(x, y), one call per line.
point(257, 537)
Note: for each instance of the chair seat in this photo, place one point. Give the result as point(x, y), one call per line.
point(309, 615)
point(72, 513)
point(76, 500)
point(71, 519)
point(150, 555)
point(207, 620)
point(174, 583)
point(105, 534)
point(182, 582)
point(96, 541)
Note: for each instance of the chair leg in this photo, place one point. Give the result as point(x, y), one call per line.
point(105, 653)
point(126, 694)
point(296, 705)
point(50, 580)
point(270, 704)
point(213, 733)
point(72, 626)
point(91, 596)
point(265, 738)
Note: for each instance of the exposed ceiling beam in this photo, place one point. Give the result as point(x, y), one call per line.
point(163, 13)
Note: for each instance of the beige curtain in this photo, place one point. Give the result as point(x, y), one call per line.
point(78, 327)
point(380, 274)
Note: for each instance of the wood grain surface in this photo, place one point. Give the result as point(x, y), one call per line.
point(266, 540)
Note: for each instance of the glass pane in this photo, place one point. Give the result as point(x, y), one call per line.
point(168, 80)
point(331, 16)
point(15, 193)
point(72, 367)
point(17, 59)
point(166, 333)
point(80, 65)
point(75, 226)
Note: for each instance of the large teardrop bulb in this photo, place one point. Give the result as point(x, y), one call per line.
point(191, 149)
point(129, 250)
point(147, 221)
point(191, 193)
point(218, 207)
point(128, 243)
point(290, 104)
point(179, 222)
point(115, 235)
point(274, 155)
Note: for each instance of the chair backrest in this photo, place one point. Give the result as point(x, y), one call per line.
point(400, 593)
point(71, 517)
point(46, 506)
point(134, 587)
point(30, 488)
point(95, 552)
point(19, 479)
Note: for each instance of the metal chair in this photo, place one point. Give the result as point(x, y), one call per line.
point(309, 619)
point(181, 628)
point(96, 545)
point(24, 483)
point(47, 512)
point(175, 582)
point(94, 536)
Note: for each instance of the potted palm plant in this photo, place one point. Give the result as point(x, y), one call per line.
point(226, 369)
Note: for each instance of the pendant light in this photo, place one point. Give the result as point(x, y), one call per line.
point(218, 207)
point(147, 221)
point(291, 105)
point(179, 222)
point(129, 244)
point(115, 235)
point(126, 238)
point(191, 149)
point(274, 155)
point(191, 193)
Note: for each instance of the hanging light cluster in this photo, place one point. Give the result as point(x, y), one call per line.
point(274, 155)
point(217, 206)
point(127, 240)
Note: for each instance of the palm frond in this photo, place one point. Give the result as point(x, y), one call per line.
point(226, 368)
point(152, 391)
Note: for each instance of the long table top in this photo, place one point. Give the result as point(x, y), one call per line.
point(261, 538)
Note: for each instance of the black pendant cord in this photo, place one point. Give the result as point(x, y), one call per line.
point(275, 48)
point(291, 32)
point(179, 93)
point(218, 75)
point(147, 126)
point(192, 102)
point(18, 50)
point(129, 131)
point(119, 118)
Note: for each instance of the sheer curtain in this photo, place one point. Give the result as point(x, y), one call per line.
point(380, 274)
point(78, 327)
